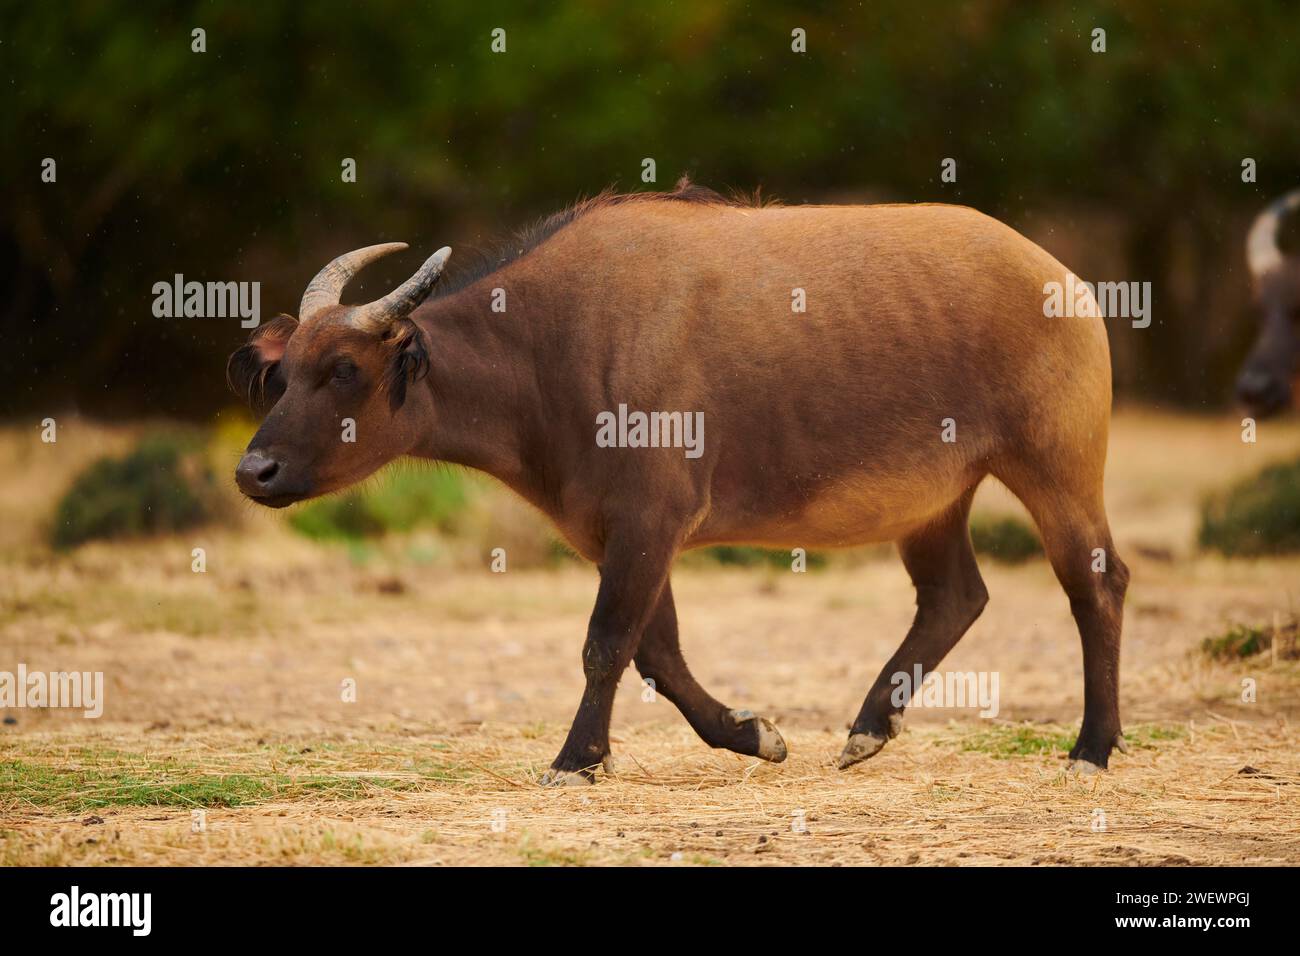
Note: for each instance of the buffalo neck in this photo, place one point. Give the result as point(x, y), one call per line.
point(483, 389)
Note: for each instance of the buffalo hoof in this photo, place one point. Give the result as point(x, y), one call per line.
point(859, 748)
point(771, 745)
point(862, 746)
point(1083, 768)
point(567, 778)
point(1088, 760)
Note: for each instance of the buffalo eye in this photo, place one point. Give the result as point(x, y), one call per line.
point(344, 372)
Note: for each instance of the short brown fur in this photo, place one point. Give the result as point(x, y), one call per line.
point(822, 428)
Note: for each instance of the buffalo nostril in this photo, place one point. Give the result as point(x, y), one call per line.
point(1262, 393)
point(1254, 385)
point(256, 472)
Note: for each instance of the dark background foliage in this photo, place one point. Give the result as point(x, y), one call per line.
point(225, 165)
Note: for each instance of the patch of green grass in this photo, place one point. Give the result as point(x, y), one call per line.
point(163, 485)
point(1004, 538)
point(120, 780)
point(1258, 516)
point(1146, 736)
point(79, 790)
point(1029, 740)
point(404, 499)
point(1022, 740)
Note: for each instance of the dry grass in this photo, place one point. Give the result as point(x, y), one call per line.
point(223, 695)
point(375, 798)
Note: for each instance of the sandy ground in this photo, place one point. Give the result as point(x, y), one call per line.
point(226, 739)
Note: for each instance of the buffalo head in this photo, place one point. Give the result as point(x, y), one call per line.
point(1264, 384)
point(333, 383)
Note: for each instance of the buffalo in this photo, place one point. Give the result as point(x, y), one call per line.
point(855, 372)
point(1264, 385)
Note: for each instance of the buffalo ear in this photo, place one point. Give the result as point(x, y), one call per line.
point(410, 363)
point(253, 371)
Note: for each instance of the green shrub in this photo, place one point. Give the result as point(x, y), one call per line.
point(343, 517)
point(403, 500)
point(745, 556)
point(163, 485)
point(1242, 641)
point(1004, 538)
point(1237, 642)
point(1260, 515)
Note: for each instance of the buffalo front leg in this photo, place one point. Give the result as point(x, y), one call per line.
point(659, 659)
point(632, 576)
point(950, 595)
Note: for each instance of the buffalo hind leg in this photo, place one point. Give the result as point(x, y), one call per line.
point(659, 659)
point(1077, 539)
point(950, 595)
point(632, 575)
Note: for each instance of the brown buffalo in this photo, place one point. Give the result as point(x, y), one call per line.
point(922, 363)
point(1264, 384)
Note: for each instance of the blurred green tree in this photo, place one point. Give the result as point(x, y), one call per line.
point(226, 164)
